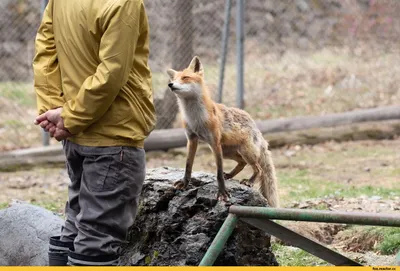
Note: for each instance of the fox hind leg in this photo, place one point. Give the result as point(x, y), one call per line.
point(250, 154)
point(232, 154)
point(239, 167)
point(256, 173)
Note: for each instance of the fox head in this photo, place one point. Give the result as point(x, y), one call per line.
point(187, 83)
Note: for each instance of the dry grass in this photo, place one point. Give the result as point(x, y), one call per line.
point(325, 81)
point(334, 79)
point(17, 112)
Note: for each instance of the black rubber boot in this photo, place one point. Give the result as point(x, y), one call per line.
point(58, 251)
point(75, 259)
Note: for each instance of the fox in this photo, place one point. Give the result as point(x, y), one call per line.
point(230, 132)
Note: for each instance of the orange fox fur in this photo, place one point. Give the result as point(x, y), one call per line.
point(230, 132)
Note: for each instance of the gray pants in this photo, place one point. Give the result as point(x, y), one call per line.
point(103, 196)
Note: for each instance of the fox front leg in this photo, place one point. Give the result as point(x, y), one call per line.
point(191, 148)
point(222, 192)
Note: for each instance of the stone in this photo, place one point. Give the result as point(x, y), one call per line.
point(176, 228)
point(25, 230)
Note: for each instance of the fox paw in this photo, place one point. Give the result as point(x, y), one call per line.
point(227, 176)
point(245, 182)
point(180, 185)
point(223, 196)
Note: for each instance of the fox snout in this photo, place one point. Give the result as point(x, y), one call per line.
point(171, 86)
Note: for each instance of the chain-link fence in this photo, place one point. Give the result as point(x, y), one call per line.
point(301, 57)
point(18, 24)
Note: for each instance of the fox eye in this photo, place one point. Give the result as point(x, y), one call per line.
point(185, 77)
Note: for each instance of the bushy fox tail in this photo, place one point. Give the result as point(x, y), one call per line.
point(267, 183)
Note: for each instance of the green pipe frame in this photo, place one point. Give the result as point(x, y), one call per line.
point(236, 212)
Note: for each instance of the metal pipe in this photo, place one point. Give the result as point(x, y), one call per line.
point(219, 241)
point(45, 138)
point(297, 240)
point(317, 216)
point(239, 53)
point(45, 135)
point(224, 49)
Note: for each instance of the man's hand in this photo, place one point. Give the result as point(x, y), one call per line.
point(52, 122)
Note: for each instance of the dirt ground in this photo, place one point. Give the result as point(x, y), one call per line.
point(356, 242)
point(351, 176)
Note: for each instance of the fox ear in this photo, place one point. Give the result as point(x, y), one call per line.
point(196, 66)
point(171, 73)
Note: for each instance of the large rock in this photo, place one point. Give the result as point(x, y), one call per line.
point(24, 234)
point(177, 227)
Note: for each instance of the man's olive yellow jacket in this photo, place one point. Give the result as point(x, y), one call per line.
point(92, 59)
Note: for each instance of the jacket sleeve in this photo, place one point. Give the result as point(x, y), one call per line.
point(121, 27)
point(46, 70)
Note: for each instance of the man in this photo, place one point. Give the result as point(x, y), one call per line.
point(93, 87)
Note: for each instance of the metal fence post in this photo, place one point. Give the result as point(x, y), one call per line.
point(224, 49)
point(43, 5)
point(45, 135)
point(239, 53)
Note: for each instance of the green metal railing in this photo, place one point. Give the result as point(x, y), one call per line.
point(260, 217)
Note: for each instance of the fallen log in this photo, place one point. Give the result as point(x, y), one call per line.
point(376, 130)
point(330, 120)
point(355, 125)
point(175, 138)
